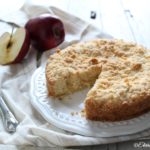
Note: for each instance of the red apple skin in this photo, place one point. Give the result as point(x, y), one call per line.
point(46, 32)
point(24, 49)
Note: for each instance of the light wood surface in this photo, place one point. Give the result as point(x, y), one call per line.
point(123, 19)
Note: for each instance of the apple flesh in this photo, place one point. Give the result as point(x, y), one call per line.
point(13, 48)
point(46, 32)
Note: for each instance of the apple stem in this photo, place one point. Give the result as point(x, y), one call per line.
point(10, 23)
point(10, 42)
point(39, 54)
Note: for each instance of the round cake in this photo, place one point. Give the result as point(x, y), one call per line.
point(118, 73)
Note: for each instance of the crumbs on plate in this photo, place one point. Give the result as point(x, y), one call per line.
point(81, 113)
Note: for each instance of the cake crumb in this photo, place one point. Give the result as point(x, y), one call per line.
point(82, 113)
point(61, 98)
point(72, 113)
point(58, 50)
point(136, 66)
point(94, 61)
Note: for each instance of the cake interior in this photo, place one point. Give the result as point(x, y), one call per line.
point(68, 74)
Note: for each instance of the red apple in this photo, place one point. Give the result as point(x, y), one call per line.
point(46, 32)
point(13, 48)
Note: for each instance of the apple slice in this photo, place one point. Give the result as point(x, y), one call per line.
point(13, 48)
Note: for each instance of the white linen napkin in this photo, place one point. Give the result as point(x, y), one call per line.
point(15, 85)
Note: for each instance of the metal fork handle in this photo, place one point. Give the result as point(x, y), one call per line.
point(9, 121)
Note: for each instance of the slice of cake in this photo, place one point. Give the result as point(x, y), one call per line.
point(117, 71)
point(72, 69)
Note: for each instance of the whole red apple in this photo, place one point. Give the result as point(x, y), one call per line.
point(46, 32)
point(14, 47)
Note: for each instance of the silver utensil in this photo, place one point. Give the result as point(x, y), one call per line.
point(9, 121)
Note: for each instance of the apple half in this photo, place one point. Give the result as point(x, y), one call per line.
point(13, 48)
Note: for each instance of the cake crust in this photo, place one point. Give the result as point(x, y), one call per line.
point(118, 72)
point(116, 111)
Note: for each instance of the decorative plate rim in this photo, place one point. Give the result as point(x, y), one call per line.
point(80, 126)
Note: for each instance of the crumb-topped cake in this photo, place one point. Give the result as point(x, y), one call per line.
point(117, 72)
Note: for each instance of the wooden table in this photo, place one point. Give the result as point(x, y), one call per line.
point(123, 19)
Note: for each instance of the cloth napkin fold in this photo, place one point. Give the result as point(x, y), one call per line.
point(15, 85)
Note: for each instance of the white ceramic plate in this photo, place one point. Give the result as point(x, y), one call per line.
point(59, 113)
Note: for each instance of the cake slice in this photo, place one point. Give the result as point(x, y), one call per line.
point(72, 69)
